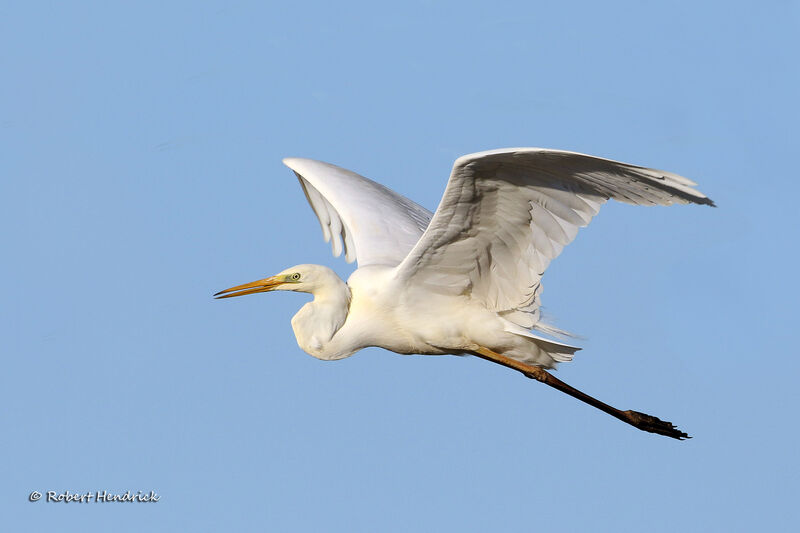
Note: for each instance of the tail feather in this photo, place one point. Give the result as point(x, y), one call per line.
point(541, 351)
point(549, 329)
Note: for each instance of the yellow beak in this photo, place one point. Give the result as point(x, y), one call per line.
point(262, 285)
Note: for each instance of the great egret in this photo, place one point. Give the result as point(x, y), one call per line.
point(466, 279)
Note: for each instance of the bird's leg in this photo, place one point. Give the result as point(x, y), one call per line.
point(636, 419)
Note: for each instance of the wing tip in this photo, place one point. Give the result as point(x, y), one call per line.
point(292, 162)
point(693, 196)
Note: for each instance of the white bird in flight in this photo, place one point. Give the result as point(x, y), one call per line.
point(466, 279)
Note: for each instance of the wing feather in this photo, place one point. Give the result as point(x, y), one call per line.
point(365, 220)
point(505, 214)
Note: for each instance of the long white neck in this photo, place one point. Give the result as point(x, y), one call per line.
point(318, 321)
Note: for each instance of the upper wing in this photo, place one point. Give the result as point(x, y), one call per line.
point(371, 223)
point(507, 213)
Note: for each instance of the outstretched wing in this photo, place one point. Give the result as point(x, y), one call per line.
point(368, 221)
point(507, 213)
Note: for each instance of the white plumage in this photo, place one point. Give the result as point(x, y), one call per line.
point(467, 279)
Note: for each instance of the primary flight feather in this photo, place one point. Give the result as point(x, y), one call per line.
point(467, 278)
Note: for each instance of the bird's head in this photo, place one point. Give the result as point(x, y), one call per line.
point(300, 278)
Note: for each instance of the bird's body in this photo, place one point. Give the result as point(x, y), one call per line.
point(467, 279)
point(371, 310)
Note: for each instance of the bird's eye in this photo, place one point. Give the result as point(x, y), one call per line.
point(295, 276)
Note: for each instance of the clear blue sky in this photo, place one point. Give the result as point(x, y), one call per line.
point(140, 149)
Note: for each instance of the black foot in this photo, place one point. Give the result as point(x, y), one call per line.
point(652, 424)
